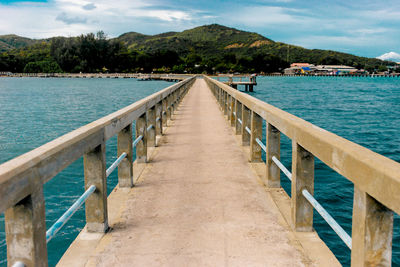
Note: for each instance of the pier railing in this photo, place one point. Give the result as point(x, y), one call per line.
point(22, 178)
point(376, 178)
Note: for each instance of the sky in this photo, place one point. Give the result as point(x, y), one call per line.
point(360, 27)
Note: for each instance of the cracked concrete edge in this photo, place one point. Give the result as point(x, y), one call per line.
point(83, 250)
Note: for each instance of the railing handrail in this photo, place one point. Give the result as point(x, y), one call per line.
point(373, 173)
point(18, 176)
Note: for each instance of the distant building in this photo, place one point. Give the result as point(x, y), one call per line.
point(5, 73)
point(335, 69)
point(306, 68)
point(300, 65)
point(292, 70)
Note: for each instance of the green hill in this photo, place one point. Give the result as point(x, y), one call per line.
point(205, 40)
point(215, 40)
point(207, 48)
point(11, 41)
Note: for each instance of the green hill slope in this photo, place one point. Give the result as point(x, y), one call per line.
point(204, 39)
point(11, 41)
point(208, 48)
point(216, 40)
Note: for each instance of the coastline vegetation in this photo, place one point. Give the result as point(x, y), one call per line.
point(206, 49)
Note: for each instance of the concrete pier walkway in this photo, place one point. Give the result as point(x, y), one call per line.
point(198, 202)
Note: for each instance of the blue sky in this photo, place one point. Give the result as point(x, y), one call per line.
point(366, 28)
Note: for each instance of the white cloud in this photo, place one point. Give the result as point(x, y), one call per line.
point(89, 6)
point(392, 56)
point(74, 17)
point(269, 15)
point(314, 25)
point(167, 15)
point(381, 15)
point(64, 17)
point(332, 26)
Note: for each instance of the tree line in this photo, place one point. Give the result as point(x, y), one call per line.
point(93, 53)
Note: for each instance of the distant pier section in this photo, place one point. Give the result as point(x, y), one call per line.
point(249, 81)
point(139, 76)
point(162, 77)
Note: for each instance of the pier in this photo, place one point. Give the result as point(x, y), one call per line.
point(199, 192)
point(139, 76)
point(249, 81)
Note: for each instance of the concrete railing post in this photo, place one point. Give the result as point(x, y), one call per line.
point(221, 99)
point(151, 133)
point(273, 145)
point(238, 125)
point(227, 103)
point(176, 92)
point(141, 147)
point(169, 109)
point(225, 107)
point(159, 125)
point(173, 95)
point(171, 104)
point(182, 92)
point(164, 112)
point(178, 96)
point(25, 228)
point(125, 175)
point(256, 132)
point(302, 178)
point(246, 121)
point(372, 232)
point(232, 111)
point(94, 163)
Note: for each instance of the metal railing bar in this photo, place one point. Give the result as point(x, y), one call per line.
point(19, 264)
point(248, 130)
point(240, 121)
point(149, 128)
point(115, 164)
point(328, 218)
point(282, 167)
point(261, 144)
point(137, 140)
point(234, 113)
point(68, 214)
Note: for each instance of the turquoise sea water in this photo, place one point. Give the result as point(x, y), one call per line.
point(34, 111)
point(364, 110)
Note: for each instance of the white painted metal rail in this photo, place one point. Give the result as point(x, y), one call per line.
point(317, 206)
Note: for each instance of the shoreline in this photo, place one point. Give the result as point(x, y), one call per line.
point(170, 77)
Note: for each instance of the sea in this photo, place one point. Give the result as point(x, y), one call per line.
point(364, 110)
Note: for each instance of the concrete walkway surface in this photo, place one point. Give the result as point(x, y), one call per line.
point(198, 203)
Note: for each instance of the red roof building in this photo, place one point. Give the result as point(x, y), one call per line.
point(300, 65)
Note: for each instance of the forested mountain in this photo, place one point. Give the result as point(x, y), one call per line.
point(12, 41)
point(208, 48)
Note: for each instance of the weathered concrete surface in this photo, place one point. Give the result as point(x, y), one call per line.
point(199, 203)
